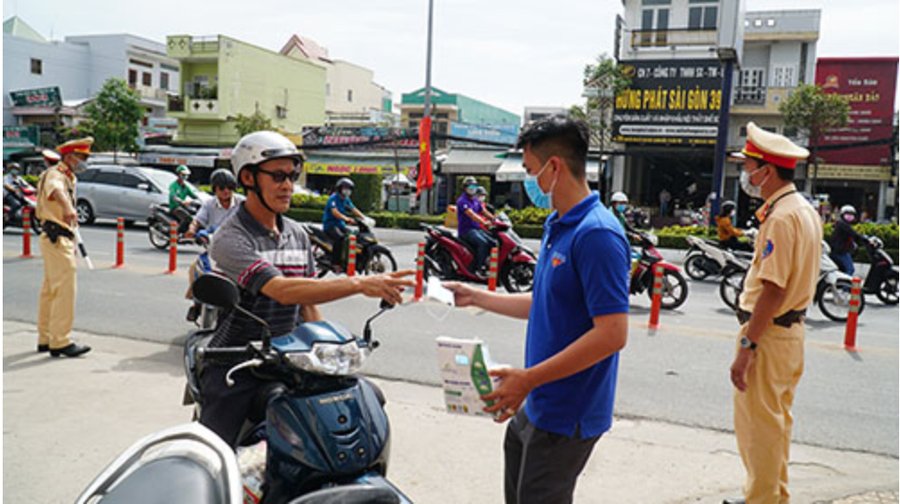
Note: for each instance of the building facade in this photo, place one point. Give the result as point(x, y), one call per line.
point(223, 77)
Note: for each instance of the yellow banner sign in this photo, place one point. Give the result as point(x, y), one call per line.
point(854, 172)
point(344, 169)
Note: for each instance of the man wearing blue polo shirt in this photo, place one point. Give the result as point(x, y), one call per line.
point(577, 323)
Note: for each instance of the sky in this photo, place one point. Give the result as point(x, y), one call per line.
point(508, 53)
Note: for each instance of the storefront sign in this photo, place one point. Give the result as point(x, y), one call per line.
point(345, 169)
point(853, 172)
point(369, 137)
point(43, 97)
point(869, 85)
point(164, 159)
point(500, 133)
point(24, 136)
point(669, 102)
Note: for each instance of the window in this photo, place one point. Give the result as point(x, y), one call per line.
point(37, 66)
point(783, 77)
point(757, 22)
point(743, 132)
point(164, 80)
point(108, 177)
point(88, 176)
point(415, 115)
point(147, 79)
point(131, 181)
point(661, 17)
point(703, 17)
point(132, 77)
point(804, 55)
point(327, 89)
point(349, 95)
point(770, 22)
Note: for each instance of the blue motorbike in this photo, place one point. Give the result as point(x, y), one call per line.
point(326, 431)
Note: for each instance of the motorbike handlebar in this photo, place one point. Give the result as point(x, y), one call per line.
point(226, 354)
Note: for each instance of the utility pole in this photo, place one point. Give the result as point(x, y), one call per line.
point(728, 61)
point(424, 197)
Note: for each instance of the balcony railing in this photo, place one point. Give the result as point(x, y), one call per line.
point(150, 93)
point(749, 95)
point(673, 37)
point(175, 103)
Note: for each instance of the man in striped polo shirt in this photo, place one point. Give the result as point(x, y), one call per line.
point(270, 258)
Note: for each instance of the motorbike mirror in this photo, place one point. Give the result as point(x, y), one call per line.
point(385, 305)
point(216, 290)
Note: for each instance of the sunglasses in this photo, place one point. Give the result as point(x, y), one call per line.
point(230, 187)
point(279, 177)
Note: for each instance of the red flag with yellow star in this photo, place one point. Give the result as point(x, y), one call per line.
point(425, 180)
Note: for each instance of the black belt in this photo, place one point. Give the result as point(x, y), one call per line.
point(785, 320)
point(54, 231)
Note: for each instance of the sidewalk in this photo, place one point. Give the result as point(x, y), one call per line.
point(65, 419)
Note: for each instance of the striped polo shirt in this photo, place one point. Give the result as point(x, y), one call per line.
point(251, 255)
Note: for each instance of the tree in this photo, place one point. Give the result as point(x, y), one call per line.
point(813, 113)
point(256, 122)
point(113, 116)
point(602, 81)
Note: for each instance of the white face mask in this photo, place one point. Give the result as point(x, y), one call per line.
point(750, 189)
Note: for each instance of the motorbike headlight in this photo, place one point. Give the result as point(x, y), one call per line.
point(330, 358)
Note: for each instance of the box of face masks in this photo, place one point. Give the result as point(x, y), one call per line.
point(464, 366)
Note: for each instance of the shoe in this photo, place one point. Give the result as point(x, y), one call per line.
point(193, 313)
point(734, 501)
point(72, 350)
point(43, 348)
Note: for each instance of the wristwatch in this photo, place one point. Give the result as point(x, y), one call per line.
point(746, 343)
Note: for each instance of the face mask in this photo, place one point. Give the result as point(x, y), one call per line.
point(537, 196)
point(751, 190)
point(481, 199)
point(849, 218)
point(346, 193)
point(621, 208)
point(471, 190)
point(80, 167)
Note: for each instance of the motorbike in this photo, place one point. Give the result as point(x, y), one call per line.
point(371, 257)
point(160, 221)
point(450, 258)
point(881, 279)
point(326, 431)
point(707, 258)
point(202, 264)
point(832, 289)
point(27, 197)
point(732, 283)
point(674, 286)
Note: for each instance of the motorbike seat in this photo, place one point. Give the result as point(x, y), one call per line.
point(350, 494)
point(172, 480)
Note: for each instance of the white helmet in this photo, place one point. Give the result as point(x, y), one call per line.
point(261, 146)
point(848, 209)
point(619, 197)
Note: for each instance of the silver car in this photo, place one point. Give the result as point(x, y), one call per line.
point(112, 191)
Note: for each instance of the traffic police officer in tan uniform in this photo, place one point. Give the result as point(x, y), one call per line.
point(56, 210)
point(779, 286)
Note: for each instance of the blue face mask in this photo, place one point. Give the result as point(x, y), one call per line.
point(471, 190)
point(621, 208)
point(537, 196)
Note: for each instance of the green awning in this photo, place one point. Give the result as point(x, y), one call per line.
point(9, 151)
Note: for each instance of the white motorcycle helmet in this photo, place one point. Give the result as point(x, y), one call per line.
point(258, 147)
point(848, 213)
point(619, 197)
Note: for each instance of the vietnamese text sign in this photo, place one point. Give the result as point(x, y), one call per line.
point(869, 85)
point(669, 102)
point(343, 169)
point(43, 97)
point(854, 172)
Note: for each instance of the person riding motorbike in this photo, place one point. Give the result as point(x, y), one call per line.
point(482, 194)
point(180, 196)
point(270, 258)
point(472, 221)
point(728, 234)
point(844, 239)
point(335, 218)
point(619, 205)
point(12, 183)
point(211, 215)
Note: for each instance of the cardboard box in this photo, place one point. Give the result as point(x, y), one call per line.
point(464, 366)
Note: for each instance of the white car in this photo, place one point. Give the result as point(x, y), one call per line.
point(112, 191)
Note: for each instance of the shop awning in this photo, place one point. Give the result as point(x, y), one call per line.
point(512, 170)
point(472, 161)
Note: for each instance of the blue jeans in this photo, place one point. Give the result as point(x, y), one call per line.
point(481, 242)
point(844, 262)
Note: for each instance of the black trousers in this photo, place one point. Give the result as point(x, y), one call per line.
point(542, 467)
point(734, 244)
point(337, 235)
point(225, 408)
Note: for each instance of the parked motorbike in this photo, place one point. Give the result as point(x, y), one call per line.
point(674, 286)
point(160, 221)
point(450, 258)
point(27, 197)
point(881, 279)
point(187, 463)
point(832, 289)
point(732, 283)
point(326, 430)
point(371, 257)
point(707, 258)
